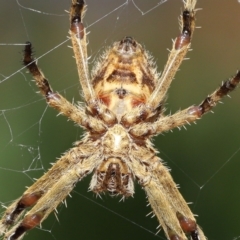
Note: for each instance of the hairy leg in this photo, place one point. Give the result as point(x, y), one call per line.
point(188, 115)
point(59, 180)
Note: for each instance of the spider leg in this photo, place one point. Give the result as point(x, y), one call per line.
point(180, 47)
point(187, 115)
point(176, 217)
point(179, 50)
point(55, 100)
point(78, 36)
point(55, 185)
point(167, 203)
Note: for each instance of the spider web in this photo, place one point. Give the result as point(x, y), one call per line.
point(204, 160)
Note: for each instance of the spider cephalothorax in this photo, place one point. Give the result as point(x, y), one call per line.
point(123, 111)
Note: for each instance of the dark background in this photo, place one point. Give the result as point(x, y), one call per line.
point(205, 159)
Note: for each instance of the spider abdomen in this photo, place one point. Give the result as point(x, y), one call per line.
point(126, 78)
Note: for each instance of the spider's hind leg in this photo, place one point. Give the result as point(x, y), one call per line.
point(181, 46)
point(79, 42)
point(78, 36)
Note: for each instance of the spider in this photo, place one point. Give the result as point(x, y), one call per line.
point(124, 109)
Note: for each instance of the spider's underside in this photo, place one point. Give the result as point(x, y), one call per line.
point(124, 109)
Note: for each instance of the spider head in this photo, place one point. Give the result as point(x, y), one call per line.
point(113, 176)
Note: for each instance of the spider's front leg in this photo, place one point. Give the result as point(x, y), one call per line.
point(31, 196)
point(172, 211)
point(48, 191)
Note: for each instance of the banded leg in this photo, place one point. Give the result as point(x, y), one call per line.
point(188, 115)
point(55, 100)
point(182, 211)
point(179, 50)
point(79, 156)
point(167, 203)
point(44, 207)
point(78, 36)
point(36, 191)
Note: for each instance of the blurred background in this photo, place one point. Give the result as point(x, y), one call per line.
point(205, 159)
